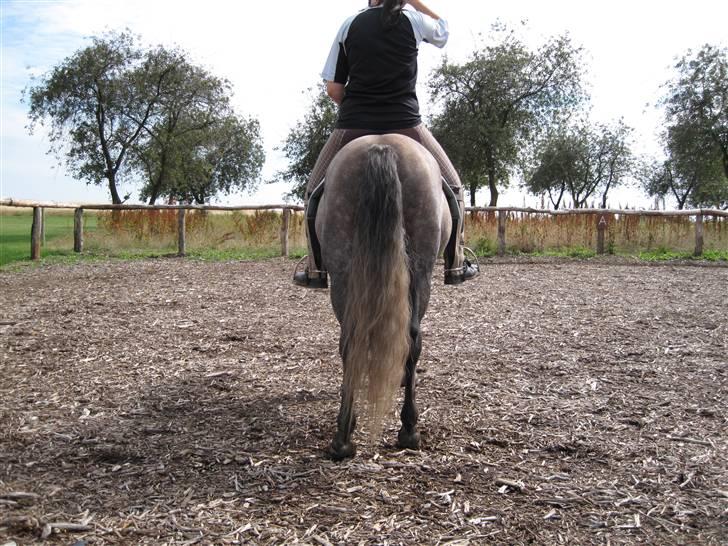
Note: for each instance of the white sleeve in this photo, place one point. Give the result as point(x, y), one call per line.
point(329, 71)
point(426, 28)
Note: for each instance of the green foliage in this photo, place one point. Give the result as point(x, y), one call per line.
point(92, 109)
point(582, 159)
point(196, 147)
point(306, 140)
point(577, 252)
point(483, 246)
point(696, 133)
point(662, 254)
point(122, 113)
point(496, 103)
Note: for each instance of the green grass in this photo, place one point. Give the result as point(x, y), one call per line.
point(15, 227)
point(665, 254)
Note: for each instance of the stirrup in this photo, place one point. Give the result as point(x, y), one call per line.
point(302, 278)
point(475, 263)
point(468, 270)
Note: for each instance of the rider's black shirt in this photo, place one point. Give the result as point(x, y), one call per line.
point(378, 65)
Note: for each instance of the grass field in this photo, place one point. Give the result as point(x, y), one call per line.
point(241, 235)
point(15, 227)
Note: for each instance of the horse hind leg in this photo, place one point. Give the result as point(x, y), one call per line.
point(341, 446)
point(408, 437)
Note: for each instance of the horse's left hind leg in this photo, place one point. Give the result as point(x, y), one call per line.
point(408, 436)
point(341, 446)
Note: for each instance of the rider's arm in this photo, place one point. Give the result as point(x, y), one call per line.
point(428, 26)
point(422, 8)
point(336, 91)
point(336, 69)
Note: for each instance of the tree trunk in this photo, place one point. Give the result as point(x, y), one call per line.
point(604, 196)
point(493, 188)
point(115, 199)
point(159, 184)
point(473, 188)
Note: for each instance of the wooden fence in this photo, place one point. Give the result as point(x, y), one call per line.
point(601, 214)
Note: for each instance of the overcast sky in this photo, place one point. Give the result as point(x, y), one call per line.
point(273, 51)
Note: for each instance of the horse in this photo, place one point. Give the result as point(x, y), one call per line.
point(382, 221)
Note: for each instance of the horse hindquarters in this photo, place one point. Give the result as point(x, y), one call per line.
point(375, 326)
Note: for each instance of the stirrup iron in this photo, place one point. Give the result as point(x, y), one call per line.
point(302, 278)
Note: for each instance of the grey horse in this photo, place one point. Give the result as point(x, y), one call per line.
point(382, 221)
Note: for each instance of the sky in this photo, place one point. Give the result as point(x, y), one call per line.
point(273, 51)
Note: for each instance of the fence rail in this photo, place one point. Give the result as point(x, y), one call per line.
point(286, 209)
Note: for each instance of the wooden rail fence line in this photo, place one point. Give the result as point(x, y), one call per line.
point(37, 229)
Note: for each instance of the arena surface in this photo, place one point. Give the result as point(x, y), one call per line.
point(171, 401)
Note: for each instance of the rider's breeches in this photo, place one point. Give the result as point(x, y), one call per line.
point(340, 137)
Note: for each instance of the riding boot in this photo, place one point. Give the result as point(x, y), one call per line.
point(314, 276)
point(457, 268)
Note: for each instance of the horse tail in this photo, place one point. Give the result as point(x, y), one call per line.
point(376, 321)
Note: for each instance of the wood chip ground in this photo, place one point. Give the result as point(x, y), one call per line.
point(172, 401)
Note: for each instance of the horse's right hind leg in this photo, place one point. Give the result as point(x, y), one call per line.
point(408, 436)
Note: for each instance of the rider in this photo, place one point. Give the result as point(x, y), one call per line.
point(371, 74)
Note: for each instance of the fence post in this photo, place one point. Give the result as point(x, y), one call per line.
point(699, 235)
point(285, 223)
point(601, 228)
point(181, 243)
point(78, 230)
point(502, 215)
point(42, 226)
point(35, 233)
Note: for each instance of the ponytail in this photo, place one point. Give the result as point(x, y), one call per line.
point(390, 12)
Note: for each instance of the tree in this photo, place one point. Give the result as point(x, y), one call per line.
point(226, 159)
point(502, 98)
point(122, 112)
point(697, 98)
point(306, 140)
point(459, 138)
point(695, 136)
point(193, 133)
point(556, 165)
point(692, 173)
point(582, 160)
point(94, 110)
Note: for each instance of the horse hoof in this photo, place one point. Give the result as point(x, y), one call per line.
point(338, 451)
point(408, 440)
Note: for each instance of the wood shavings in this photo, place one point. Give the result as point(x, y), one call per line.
point(135, 413)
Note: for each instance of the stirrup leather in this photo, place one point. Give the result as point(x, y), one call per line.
point(311, 209)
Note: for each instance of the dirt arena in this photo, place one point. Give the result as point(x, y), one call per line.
point(172, 401)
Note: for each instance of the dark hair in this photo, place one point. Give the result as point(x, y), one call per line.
point(390, 12)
